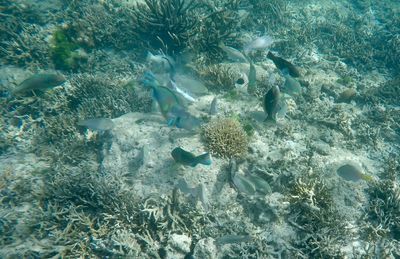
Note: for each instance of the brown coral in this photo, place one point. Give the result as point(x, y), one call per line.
point(225, 137)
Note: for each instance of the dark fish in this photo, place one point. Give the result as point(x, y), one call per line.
point(97, 124)
point(271, 102)
point(283, 64)
point(40, 82)
point(186, 158)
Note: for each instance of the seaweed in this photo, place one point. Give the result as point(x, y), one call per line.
point(62, 51)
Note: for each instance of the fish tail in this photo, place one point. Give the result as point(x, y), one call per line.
point(204, 159)
point(367, 178)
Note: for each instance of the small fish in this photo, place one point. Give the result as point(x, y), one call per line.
point(232, 239)
point(271, 102)
point(251, 88)
point(191, 85)
point(161, 63)
point(243, 184)
point(40, 82)
point(198, 192)
point(99, 124)
point(186, 158)
point(164, 96)
point(284, 65)
point(259, 43)
point(214, 106)
point(352, 173)
point(233, 54)
point(260, 184)
point(291, 86)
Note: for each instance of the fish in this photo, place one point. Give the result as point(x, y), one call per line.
point(99, 124)
point(352, 173)
point(232, 239)
point(259, 43)
point(184, 94)
point(191, 85)
point(186, 158)
point(164, 96)
point(251, 88)
point(283, 65)
point(271, 102)
point(243, 184)
point(233, 54)
point(161, 63)
point(198, 192)
point(291, 86)
point(42, 81)
point(181, 119)
point(214, 106)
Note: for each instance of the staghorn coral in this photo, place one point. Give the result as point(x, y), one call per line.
point(225, 137)
point(171, 22)
point(219, 23)
point(100, 25)
point(314, 214)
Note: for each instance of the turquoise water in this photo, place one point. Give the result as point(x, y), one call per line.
point(283, 116)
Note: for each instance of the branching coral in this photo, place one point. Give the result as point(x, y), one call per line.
point(105, 25)
point(225, 137)
point(383, 211)
point(170, 22)
point(219, 23)
point(314, 214)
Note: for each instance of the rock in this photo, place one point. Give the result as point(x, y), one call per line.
point(178, 246)
point(205, 249)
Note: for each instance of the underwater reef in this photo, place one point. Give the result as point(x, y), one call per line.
point(293, 104)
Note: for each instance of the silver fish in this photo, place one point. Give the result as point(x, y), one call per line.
point(233, 54)
point(251, 88)
point(291, 86)
point(213, 107)
point(259, 43)
point(99, 124)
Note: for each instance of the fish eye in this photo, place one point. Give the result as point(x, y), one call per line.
point(240, 81)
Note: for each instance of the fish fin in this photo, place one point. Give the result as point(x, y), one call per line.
point(367, 178)
point(204, 159)
point(149, 56)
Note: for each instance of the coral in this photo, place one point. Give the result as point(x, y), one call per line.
point(28, 47)
point(62, 51)
point(171, 22)
point(217, 77)
point(382, 215)
point(271, 14)
point(108, 24)
point(219, 23)
point(225, 137)
point(314, 214)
